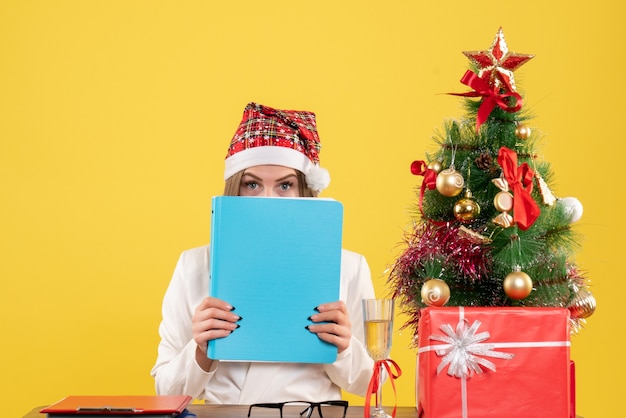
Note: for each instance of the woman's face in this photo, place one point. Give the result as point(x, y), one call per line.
point(269, 181)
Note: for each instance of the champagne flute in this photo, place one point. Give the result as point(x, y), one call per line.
point(378, 321)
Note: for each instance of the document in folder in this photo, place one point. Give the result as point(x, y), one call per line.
point(275, 260)
point(119, 406)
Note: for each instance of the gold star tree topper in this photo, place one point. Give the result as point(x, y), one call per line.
point(496, 65)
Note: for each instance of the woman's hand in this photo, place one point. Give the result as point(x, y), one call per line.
point(338, 331)
point(212, 319)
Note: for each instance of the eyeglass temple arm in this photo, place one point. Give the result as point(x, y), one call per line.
point(278, 406)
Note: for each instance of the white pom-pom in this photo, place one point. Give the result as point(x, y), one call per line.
point(572, 207)
point(317, 178)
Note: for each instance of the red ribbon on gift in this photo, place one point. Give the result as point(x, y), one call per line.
point(520, 179)
point(420, 168)
point(373, 386)
point(491, 97)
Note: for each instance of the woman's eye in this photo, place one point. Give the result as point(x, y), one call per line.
point(251, 185)
point(285, 186)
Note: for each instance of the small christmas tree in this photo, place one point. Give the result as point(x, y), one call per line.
point(488, 231)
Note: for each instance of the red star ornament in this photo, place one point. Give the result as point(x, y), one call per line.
point(497, 64)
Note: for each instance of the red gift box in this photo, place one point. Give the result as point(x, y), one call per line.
point(477, 362)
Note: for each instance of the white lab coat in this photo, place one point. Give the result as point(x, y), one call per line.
point(177, 372)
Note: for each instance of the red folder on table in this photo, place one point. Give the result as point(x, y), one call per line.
point(118, 406)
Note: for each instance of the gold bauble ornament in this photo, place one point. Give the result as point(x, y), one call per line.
point(435, 166)
point(435, 292)
point(517, 284)
point(450, 182)
point(522, 132)
point(583, 305)
point(466, 209)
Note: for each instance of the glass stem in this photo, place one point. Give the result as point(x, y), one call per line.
point(379, 391)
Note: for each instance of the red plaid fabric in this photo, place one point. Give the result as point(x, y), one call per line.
point(264, 126)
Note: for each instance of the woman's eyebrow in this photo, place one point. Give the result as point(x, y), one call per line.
point(288, 176)
point(251, 175)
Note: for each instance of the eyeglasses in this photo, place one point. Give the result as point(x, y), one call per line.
point(326, 409)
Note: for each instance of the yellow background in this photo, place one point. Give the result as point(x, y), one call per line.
point(115, 117)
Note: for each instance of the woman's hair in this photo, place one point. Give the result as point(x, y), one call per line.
point(233, 183)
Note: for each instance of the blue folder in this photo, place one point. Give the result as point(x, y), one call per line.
point(275, 260)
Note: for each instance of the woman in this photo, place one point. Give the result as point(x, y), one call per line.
point(274, 153)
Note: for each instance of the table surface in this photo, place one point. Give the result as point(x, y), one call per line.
point(241, 411)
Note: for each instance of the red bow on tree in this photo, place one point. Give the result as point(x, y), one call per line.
point(419, 168)
point(491, 97)
point(520, 179)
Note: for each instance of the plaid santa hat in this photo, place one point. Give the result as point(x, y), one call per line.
point(268, 136)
